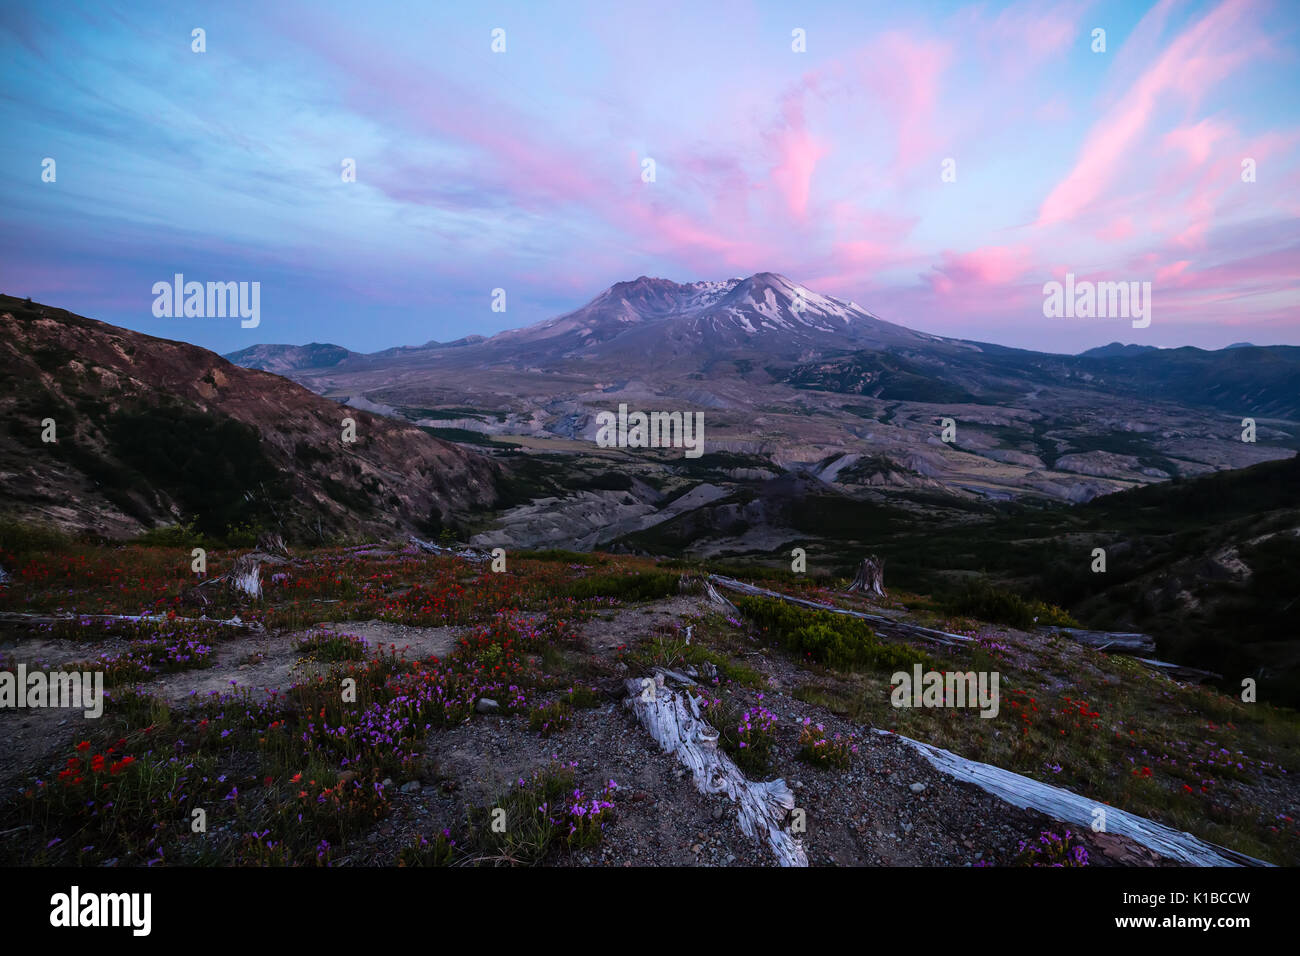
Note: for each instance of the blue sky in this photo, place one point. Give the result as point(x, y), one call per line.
point(522, 170)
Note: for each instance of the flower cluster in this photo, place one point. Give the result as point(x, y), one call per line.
point(1052, 850)
point(755, 736)
point(821, 751)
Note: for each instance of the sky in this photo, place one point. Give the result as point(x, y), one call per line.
point(937, 163)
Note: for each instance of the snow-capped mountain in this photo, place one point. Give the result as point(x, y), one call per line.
point(766, 312)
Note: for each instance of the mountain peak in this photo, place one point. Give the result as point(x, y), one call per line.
point(649, 315)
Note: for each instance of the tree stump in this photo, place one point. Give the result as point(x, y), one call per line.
point(870, 578)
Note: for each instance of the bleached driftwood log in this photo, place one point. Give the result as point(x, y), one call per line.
point(1181, 672)
point(469, 554)
point(673, 720)
point(1068, 807)
point(19, 617)
point(1117, 642)
point(870, 578)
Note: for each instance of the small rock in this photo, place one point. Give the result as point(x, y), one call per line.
point(917, 787)
point(388, 781)
point(411, 787)
point(717, 813)
point(486, 705)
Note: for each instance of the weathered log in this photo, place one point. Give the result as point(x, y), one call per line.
point(870, 578)
point(1180, 671)
point(1117, 642)
point(19, 617)
point(673, 720)
point(1068, 807)
point(469, 554)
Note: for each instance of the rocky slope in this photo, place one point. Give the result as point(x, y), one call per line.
point(150, 431)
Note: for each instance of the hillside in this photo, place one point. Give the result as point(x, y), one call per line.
point(153, 432)
point(525, 689)
point(1204, 565)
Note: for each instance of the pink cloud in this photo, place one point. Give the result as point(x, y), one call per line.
point(1197, 141)
point(1117, 230)
point(990, 265)
point(1196, 60)
point(797, 152)
point(905, 73)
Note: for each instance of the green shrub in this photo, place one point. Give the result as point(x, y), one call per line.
point(22, 537)
point(836, 640)
point(645, 586)
point(181, 535)
point(982, 600)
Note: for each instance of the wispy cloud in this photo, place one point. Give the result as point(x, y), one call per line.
point(523, 170)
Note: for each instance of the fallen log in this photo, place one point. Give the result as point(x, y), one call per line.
point(1117, 642)
point(1068, 807)
point(1178, 670)
point(19, 617)
point(469, 554)
point(673, 720)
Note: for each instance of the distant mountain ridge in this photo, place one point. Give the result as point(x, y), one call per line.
point(1115, 349)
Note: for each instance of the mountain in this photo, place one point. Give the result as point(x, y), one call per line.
point(150, 431)
point(659, 320)
point(1117, 349)
point(290, 358)
point(1255, 381)
point(792, 379)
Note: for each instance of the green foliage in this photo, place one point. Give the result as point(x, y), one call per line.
point(330, 646)
point(550, 718)
point(562, 555)
point(214, 467)
point(980, 599)
point(645, 586)
point(539, 816)
point(836, 640)
point(23, 537)
point(463, 435)
point(180, 535)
